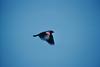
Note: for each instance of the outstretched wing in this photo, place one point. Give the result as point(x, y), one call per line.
point(50, 40)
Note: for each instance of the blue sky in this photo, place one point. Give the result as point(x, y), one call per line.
point(77, 33)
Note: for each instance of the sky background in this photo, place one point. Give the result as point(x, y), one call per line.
point(77, 33)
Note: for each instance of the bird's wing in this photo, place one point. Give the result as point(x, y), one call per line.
point(50, 40)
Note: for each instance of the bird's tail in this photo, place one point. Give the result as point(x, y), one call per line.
point(35, 35)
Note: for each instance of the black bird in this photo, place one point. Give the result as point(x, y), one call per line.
point(46, 36)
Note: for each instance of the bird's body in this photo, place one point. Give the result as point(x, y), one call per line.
point(47, 36)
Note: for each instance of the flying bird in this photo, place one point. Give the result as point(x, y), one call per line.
point(46, 36)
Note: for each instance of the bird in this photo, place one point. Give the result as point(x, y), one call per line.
point(46, 36)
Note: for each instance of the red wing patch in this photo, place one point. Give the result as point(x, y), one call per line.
point(48, 33)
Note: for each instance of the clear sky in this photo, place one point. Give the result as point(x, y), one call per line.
point(77, 33)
